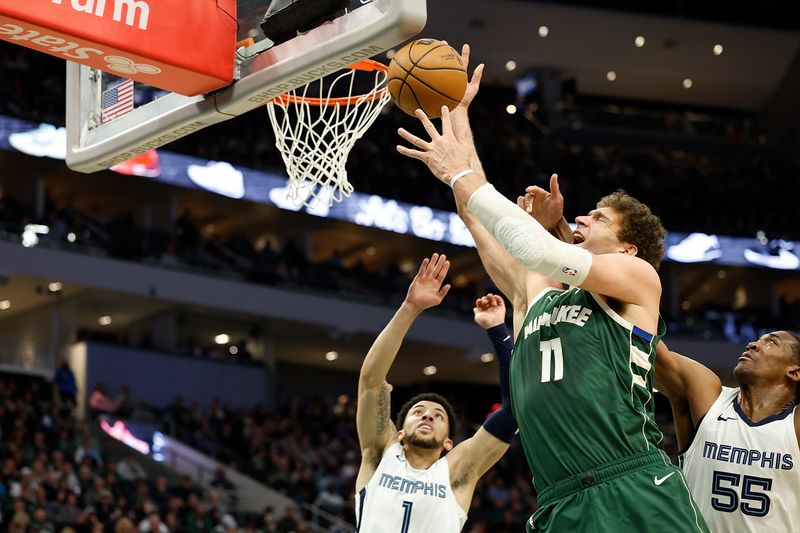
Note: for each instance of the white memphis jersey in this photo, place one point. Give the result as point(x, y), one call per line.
point(745, 476)
point(402, 499)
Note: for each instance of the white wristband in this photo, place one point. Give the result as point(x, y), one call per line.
point(459, 176)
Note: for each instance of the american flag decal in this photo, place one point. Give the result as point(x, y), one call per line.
point(117, 101)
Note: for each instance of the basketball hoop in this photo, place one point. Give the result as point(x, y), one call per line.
point(316, 133)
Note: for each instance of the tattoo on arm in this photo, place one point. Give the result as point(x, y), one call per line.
point(383, 410)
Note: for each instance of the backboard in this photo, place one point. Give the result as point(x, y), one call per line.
point(263, 71)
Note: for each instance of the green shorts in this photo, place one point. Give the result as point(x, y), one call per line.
point(640, 493)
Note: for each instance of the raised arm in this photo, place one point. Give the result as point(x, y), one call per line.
point(373, 422)
point(472, 458)
point(691, 388)
point(522, 236)
point(510, 276)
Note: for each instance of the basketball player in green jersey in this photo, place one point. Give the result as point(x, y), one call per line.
point(582, 367)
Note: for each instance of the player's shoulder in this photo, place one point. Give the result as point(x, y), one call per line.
point(728, 393)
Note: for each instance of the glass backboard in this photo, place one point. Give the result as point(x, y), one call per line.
point(103, 130)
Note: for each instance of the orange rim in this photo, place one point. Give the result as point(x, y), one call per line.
point(365, 65)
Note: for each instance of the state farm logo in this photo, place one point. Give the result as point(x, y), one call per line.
point(74, 51)
point(136, 12)
point(126, 65)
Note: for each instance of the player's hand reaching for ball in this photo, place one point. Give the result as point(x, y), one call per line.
point(444, 154)
point(426, 289)
point(490, 311)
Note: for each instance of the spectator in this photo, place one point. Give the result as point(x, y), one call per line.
point(153, 524)
point(129, 470)
point(67, 386)
point(99, 402)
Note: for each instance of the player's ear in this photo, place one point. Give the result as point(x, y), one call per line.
point(629, 249)
point(400, 435)
point(447, 444)
point(793, 373)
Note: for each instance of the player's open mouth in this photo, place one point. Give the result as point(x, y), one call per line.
point(745, 357)
point(577, 238)
point(425, 426)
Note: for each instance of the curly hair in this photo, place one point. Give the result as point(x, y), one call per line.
point(796, 359)
point(452, 423)
point(638, 226)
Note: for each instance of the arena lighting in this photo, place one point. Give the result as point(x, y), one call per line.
point(370, 250)
point(54, 286)
point(722, 274)
point(718, 49)
point(233, 350)
point(104, 320)
point(71, 237)
point(222, 338)
point(429, 370)
point(332, 356)
point(511, 109)
point(544, 31)
point(639, 41)
point(511, 65)
point(487, 357)
point(611, 75)
point(4, 304)
point(687, 83)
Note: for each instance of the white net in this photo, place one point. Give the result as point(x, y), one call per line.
point(316, 133)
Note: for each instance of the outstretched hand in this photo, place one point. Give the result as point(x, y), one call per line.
point(490, 311)
point(426, 289)
point(444, 154)
point(547, 207)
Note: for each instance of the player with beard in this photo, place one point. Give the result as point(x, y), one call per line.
point(740, 445)
point(404, 484)
point(582, 370)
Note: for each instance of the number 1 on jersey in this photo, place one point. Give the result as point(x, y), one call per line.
point(551, 351)
point(406, 516)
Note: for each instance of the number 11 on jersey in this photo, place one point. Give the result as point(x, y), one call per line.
point(552, 360)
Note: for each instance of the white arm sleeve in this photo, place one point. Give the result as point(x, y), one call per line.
point(526, 240)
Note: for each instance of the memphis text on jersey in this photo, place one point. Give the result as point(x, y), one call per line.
point(409, 486)
point(572, 314)
point(743, 456)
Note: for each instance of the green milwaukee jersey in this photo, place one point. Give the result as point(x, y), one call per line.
point(581, 385)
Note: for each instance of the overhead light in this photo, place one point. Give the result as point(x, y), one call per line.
point(390, 54)
point(718, 49)
point(407, 265)
point(222, 338)
point(611, 75)
point(104, 320)
point(487, 357)
point(722, 274)
point(71, 237)
point(233, 350)
point(370, 250)
point(511, 65)
point(544, 31)
point(639, 41)
point(687, 83)
point(429, 370)
point(332, 356)
point(5, 304)
point(511, 109)
point(686, 305)
point(54, 286)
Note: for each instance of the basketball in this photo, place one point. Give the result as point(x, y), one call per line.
point(427, 74)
